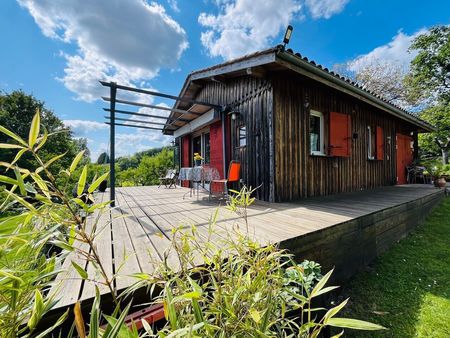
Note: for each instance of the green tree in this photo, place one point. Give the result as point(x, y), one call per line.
point(429, 83)
point(103, 158)
point(152, 167)
point(438, 143)
point(429, 77)
point(16, 112)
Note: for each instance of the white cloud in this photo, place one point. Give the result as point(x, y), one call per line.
point(396, 51)
point(80, 127)
point(244, 26)
point(125, 41)
point(325, 8)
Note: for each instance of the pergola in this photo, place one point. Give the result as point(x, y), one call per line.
point(115, 115)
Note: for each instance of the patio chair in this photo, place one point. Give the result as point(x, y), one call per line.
point(170, 180)
point(234, 175)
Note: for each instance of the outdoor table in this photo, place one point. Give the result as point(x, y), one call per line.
point(198, 175)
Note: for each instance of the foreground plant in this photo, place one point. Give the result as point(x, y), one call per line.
point(242, 289)
point(48, 217)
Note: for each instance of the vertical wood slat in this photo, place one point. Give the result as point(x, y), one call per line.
point(300, 175)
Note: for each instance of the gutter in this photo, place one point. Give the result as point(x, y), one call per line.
point(295, 60)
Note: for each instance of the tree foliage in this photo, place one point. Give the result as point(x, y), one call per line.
point(103, 158)
point(16, 113)
point(429, 81)
point(429, 76)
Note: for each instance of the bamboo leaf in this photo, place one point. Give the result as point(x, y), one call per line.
point(82, 181)
point(118, 325)
point(10, 146)
point(54, 326)
point(22, 201)
point(56, 158)
point(13, 136)
point(355, 324)
point(83, 274)
point(38, 309)
point(42, 140)
point(95, 314)
point(8, 180)
point(72, 234)
point(319, 286)
point(256, 316)
point(334, 311)
point(19, 155)
point(75, 161)
point(34, 129)
point(20, 182)
point(79, 321)
point(97, 182)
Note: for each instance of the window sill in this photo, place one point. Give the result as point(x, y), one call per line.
point(374, 160)
point(319, 155)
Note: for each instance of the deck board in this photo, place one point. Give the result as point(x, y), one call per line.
point(142, 222)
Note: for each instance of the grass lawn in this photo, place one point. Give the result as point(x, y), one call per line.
point(407, 289)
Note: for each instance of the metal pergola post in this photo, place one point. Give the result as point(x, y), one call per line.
point(112, 141)
point(134, 123)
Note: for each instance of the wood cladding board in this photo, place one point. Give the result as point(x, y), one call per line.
point(298, 174)
point(351, 245)
point(252, 98)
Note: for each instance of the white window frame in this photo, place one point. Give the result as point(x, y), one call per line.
point(321, 136)
point(369, 143)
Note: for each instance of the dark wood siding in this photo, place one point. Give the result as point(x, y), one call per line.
point(253, 98)
point(300, 175)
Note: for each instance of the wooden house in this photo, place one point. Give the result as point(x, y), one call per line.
point(298, 129)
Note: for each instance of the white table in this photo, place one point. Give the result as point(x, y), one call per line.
point(198, 176)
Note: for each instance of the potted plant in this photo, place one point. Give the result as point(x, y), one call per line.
point(437, 174)
point(198, 159)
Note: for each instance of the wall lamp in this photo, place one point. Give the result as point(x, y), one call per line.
point(287, 35)
point(234, 114)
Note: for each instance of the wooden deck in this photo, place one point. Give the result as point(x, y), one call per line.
point(135, 242)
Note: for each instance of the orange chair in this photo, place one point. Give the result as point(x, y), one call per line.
point(234, 175)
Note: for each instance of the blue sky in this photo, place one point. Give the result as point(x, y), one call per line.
point(57, 49)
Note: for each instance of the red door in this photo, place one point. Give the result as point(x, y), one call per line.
point(404, 157)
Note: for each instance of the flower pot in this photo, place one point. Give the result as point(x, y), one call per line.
point(440, 182)
point(197, 163)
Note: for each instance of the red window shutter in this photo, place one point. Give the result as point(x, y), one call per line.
point(380, 143)
point(340, 134)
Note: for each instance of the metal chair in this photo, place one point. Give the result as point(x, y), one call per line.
point(234, 175)
point(170, 180)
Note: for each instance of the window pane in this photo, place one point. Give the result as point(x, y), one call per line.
point(242, 136)
point(314, 133)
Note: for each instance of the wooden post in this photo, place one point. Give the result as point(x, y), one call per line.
point(112, 151)
point(416, 146)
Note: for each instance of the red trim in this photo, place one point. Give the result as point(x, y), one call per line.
point(186, 155)
point(151, 315)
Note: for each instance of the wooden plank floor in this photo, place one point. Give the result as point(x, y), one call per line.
point(135, 235)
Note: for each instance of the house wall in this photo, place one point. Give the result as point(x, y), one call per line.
point(299, 174)
point(252, 97)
